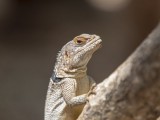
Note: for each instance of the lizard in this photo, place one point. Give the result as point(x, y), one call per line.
point(69, 84)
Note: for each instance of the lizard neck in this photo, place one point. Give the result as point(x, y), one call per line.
point(62, 72)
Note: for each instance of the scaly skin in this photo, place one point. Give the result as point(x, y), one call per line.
point(70, 84)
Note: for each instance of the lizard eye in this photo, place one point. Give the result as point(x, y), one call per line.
point(79, 40)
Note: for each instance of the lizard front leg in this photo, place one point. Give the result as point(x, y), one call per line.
point(69, 93)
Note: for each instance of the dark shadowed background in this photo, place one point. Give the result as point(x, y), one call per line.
point(33, 31)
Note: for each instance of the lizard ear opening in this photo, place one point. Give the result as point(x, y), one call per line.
point(66, 53)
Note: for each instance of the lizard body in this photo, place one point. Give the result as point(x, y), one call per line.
point(69, 84)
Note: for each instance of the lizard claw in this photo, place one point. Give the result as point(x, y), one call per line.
point(91, 91)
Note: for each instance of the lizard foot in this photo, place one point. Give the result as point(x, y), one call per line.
point(91, 91)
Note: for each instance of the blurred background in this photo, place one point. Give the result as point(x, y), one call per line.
point(33, 31)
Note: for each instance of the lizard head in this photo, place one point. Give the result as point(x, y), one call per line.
point(76, 54)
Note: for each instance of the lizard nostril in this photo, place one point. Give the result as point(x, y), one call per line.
point(92, 37)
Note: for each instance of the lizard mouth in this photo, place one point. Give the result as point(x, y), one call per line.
point(92, 44)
